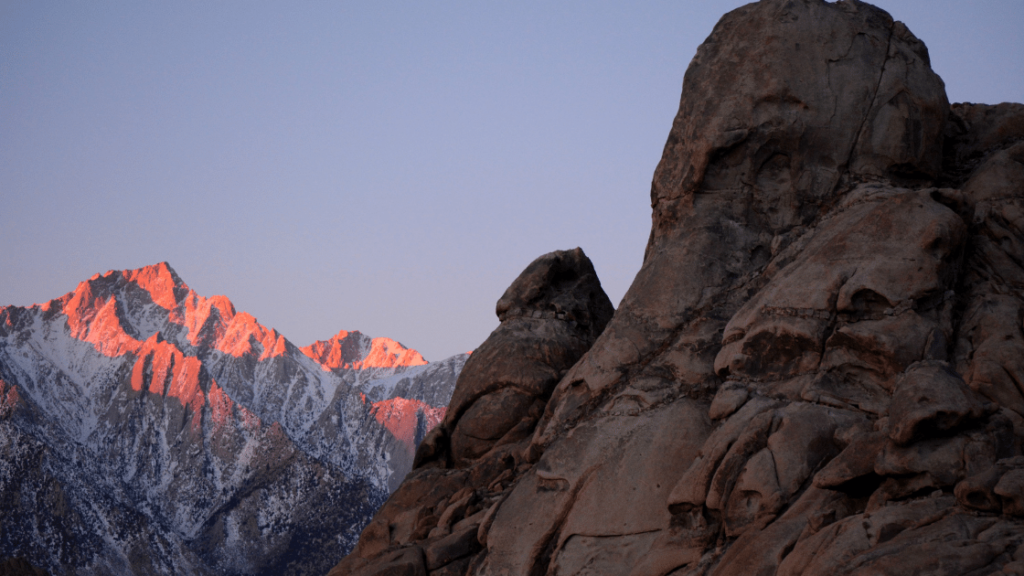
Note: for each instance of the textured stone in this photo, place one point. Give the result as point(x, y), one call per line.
point(853, 470)
point(458, 544)
point(978, 129)
point(929, 399)
point(727, 401)
point(20, 567)
point(549, 317)
point(1010, 489)
point(818, 368)
point(584, 489)
point(402, 562)
point(978, 491)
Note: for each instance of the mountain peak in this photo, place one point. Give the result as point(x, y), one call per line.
point(142, 401)
point(348, 350)
point(160, 281)
point(114, 311)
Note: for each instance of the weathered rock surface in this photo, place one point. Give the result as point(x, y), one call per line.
point(819, 368)
point(549, 317)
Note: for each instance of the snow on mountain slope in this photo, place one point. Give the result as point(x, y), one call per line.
point(147, 429)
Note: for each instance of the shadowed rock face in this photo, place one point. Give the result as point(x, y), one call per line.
point(549, 317)
point(819, 368)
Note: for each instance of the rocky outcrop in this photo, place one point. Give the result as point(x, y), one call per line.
point(20, 567)
point(818, 369)
point(145, 429)
point(549, 317)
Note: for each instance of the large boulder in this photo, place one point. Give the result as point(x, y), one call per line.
point(550, 316)
point(818, 369)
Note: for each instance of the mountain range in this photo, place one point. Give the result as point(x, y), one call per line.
point(147, 429)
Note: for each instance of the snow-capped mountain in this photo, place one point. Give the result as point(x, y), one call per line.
point(147, 429)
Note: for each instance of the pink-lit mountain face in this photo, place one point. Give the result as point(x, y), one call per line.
point(353, 350)
point(145, 428)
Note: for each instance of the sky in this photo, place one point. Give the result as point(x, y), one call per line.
point(387, 167)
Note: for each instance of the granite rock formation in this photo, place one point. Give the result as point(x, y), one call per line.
point(819, 369)
point(550, 316)
point(145, 429)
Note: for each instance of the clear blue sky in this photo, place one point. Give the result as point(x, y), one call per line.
point(376, 166)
